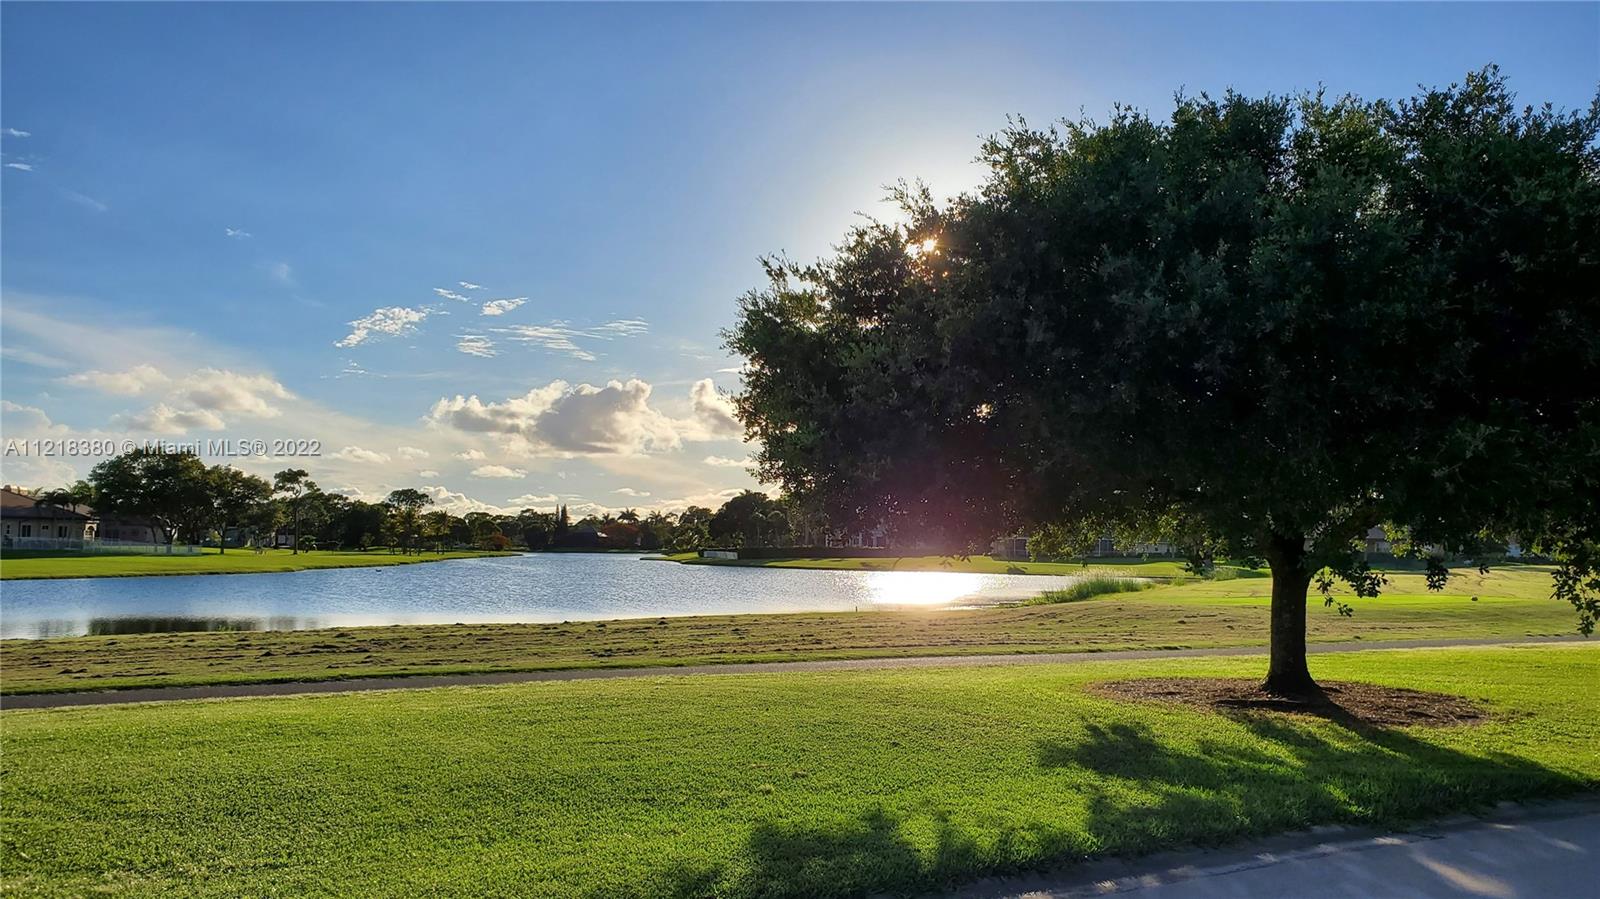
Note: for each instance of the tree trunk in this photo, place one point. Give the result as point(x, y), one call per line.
point(1287, 674)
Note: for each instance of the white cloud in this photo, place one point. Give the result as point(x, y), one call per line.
point(459, 503)
point(714, 410)
point(365, 456)
point(20, 422)
point(389, 321)
point(468, 285)
point(282, 273)
point(501, 307)
point(237, 233)
point(12, 132)
point(210, 389)
point(164, 419)
point(616, 419)
point(132, 382)
point(475, 345)
point(427, 473)
point(724, 462)
point(471, 455)
point(412, 452)
point(28, 421)
point(19, 166)
point(629, 491)
point(498, 471)
point(226, 391)
point(529, 499)
point(711, 499)
point(451, 295)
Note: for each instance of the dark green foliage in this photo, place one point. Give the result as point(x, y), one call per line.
point(1264, 325)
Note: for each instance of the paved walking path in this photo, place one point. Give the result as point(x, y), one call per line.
point(1535, 852)
point(163, 694)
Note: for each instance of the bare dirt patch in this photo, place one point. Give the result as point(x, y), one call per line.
point(1344, 701)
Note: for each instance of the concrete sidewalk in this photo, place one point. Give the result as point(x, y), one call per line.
point(1537, 852)
point(423, 681)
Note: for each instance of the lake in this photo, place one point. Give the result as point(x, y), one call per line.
point(528, 588)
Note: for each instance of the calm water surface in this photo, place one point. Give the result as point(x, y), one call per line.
point(539, 587)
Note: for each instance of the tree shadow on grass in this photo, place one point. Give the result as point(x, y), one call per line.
point(873, 854)
point(1142, 790)
point(1150, 790)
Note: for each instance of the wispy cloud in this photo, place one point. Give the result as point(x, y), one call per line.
point(629, 491)
point(475, 345)
point(501, 307)
point(562, 337)
point(85, 201)
point(281, 272)
point(12, 132)
point(389, 321)
point(556, 337)
point(627, 327)
point(468, 285)
point(19, 166)
point(450, 294)
point(725, 462)
point(236, 233)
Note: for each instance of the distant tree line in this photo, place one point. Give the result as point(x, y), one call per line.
point(184, 500)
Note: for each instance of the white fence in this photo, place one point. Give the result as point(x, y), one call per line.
point(108, 547)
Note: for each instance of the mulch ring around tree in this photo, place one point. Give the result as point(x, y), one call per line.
point(1344, 701)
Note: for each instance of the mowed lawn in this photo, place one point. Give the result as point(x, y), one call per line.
point(817, 784)
point(1510, 602)
point(20, 566)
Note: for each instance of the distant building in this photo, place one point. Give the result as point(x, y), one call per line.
point(26, 523)
point(1012, 547)
point(876, 537)
point(1377, 543)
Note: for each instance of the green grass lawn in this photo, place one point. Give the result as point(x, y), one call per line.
point(820, 784)
point(972, 564)
point(1511, 602)
point(14, 566)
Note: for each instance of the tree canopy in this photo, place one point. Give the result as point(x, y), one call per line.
point(1264, 324)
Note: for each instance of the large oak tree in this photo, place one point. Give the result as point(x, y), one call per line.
point(1263, 325)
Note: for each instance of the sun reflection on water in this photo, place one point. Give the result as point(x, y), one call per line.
point(921, 588)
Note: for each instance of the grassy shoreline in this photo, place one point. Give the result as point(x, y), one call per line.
point(837, 783)
point(1509, 603)
point(59, 566)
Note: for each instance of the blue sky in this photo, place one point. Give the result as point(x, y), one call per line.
point(207, 196)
